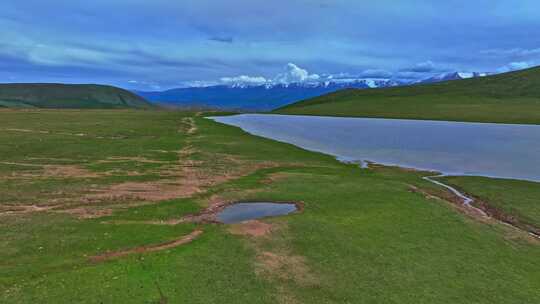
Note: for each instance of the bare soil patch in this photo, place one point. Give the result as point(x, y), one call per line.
point(66, 171)
point(253, 228)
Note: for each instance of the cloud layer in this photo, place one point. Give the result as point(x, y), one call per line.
point(166, 43)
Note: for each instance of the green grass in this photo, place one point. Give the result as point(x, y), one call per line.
point(53, 137)
point(363, 237)
point(70, 96)
point(520, 199)
point(505, 98)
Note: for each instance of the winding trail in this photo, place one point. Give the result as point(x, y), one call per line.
point(147, 248)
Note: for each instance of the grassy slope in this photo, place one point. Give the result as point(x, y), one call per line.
point(508, 98)
point(80, 96)
point(520, 199)
point(363, 237)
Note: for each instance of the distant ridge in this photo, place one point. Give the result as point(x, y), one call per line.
point(271, 95)
point(252, 97)
point(512, 97)
point(452, 76)
point(68, 96)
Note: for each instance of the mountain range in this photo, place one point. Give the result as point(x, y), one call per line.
point(265, 97)
point(453, 76)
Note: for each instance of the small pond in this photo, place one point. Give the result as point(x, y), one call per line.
point(249, 211)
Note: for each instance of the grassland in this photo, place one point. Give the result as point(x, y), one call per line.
point(68, 96)
point(76, 184)
point(505, 98)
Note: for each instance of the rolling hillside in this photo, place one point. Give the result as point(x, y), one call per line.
point(505, 98)
point(80, 96)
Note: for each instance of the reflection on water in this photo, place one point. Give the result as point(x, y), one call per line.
point(453, 148)
point(249, 211)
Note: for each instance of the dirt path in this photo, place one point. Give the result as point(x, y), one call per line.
point(191, 126)
point(147, 248)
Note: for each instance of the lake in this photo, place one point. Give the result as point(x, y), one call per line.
point(452, 148)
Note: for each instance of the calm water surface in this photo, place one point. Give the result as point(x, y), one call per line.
point(249, 211)
point(453, 148)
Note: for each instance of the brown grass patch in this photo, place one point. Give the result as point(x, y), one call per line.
point(148, 191)
point(22, 209)
point(87, 213)
point(52, 171)
point(68, 171)
point(286, 267)
point(139, 159)
point(181, 180)
point(275, 177)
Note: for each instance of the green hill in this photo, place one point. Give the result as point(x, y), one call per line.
point(70, 96)
point(507, 98)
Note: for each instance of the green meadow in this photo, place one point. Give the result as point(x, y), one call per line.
point(76, 185)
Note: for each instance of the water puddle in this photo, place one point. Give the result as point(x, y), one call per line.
point(249, 211)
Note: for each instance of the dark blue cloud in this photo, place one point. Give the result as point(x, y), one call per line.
point(422, 67)
point(221, 39)
point(137, 43)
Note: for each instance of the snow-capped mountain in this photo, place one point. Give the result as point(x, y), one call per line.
point(453, 76)
point(269, 95)
point(258, 97)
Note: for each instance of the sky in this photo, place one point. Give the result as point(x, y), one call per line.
point(161, 44)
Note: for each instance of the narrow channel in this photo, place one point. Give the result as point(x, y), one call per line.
point(467, 201)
